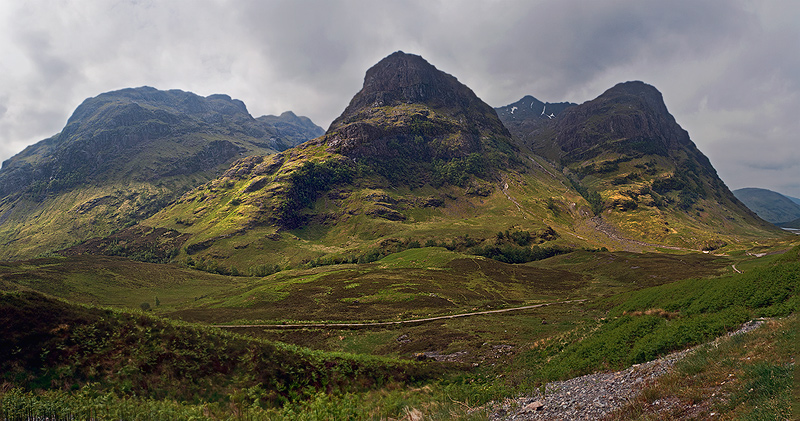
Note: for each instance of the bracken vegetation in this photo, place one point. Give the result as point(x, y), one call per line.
point(52, 345)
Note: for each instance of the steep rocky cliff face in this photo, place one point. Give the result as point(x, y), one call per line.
point(631, 119)
point(404, 78)
point(409, 114)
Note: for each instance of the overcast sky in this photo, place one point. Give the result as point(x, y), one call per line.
point(729, 70)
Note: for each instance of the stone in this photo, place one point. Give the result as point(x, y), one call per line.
point(534, 406)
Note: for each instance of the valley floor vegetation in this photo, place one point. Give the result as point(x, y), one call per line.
point(60, 359)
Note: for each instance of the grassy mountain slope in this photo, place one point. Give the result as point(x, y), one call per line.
point(121, 157)
point(295, 220)
point(415, 158)
point(769, 205)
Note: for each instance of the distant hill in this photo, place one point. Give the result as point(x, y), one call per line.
point(290, 126)
point(769, 205)
point(122, 156)
point(793, 199)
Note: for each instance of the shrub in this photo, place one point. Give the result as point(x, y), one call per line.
point(307, 182)
point(593, 197)
point(512, 253)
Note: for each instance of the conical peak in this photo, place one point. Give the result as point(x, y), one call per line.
point(404, 78)
point(636, 91)
point(407, 101)
point(635, 87)
point(399, 74)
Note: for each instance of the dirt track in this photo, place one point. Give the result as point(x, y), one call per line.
point(397, 322)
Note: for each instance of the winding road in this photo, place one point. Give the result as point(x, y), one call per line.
point(397, 322)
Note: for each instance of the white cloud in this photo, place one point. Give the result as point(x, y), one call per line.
point(727, 69)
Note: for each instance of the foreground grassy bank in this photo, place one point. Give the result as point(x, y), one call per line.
point(748, 377)
point(49, 344)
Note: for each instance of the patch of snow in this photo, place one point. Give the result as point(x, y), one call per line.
point(543, 108)
point(513, 109)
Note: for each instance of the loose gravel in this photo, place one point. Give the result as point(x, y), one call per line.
point(593, 396)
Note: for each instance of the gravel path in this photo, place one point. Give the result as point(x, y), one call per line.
point(593, 396)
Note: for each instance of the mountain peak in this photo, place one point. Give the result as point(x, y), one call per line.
point(403, 78)
point(637, 93)
point(633, 111)
point(408, 112)
point(628, 147)
point(635, 87)
point(144, 134)
point(527, 117)
point(174, 101)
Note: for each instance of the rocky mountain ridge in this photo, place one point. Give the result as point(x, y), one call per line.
point(122, 156)
point(105, 135)
point(632, 160)
point(417, 158)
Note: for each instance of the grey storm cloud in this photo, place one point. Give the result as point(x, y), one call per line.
point(728, 69)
